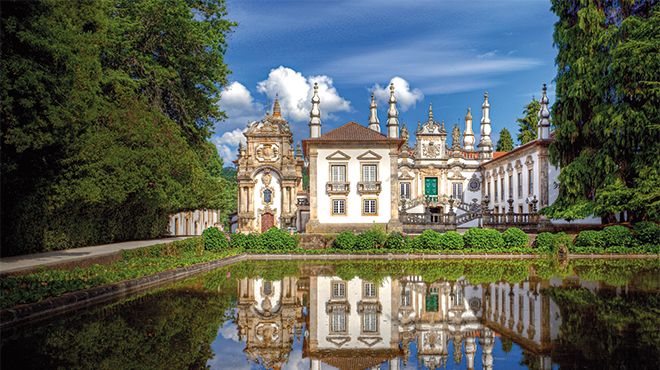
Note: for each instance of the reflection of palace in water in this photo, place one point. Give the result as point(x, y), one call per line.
point(352, 324)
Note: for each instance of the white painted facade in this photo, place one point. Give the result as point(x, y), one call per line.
point(354, 208)
point(193, 222)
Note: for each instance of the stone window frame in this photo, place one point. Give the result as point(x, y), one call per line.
point(401, 186)
point(529, 163)
point(338, 283)
point(332, 206)
point(376, 316)
point(369, 163)
point(375, 200)
point(332, 164)
point(364, 295)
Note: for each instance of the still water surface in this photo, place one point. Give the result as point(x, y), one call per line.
point(356, 315)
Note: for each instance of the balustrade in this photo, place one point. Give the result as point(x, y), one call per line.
point(342, 187)
point(369, 187)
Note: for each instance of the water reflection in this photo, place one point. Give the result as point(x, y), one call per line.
point(359, 316)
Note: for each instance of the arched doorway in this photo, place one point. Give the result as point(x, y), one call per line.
point(267, 221)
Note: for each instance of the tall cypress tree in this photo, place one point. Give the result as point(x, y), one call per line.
point(527, 125)
point(606, 109)
point(505, 142)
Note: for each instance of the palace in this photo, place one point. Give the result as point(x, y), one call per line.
point(360, 176)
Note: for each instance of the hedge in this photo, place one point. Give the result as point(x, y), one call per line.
point(618, 236)
point(514, 237)
point(483, 238)
point(214, 240)
point(590, 239)
point(395, 241)
point(647, 233)
point(345, 240)
point(552, 243)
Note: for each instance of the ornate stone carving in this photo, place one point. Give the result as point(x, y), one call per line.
point(267, 152)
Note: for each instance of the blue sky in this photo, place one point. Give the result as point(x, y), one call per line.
point(443, 52)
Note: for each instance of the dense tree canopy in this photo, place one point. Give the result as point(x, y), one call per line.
point(527, 125)
point(606, 110)
point(505, 142)
point(106, 110)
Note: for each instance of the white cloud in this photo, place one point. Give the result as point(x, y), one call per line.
point(229, 331)
point(239, 105)
point(488, 54)
point(405, 97)
point(295, 93)
point(227, 144)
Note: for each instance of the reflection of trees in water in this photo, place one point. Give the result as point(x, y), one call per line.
point(607, 330)
point(170, 329)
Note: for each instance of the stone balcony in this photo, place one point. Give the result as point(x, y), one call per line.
point(334, 188)
point(368, 187)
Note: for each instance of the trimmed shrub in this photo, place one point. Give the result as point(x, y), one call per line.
point(244, 241)
point(378, 232)
point(514, 237)
point(366, 240)
point(429, 239)
point(345, 240)
point(451, 240)
point(552, 243)
point(483, 238)
point(214, 240)
point(276, 239)
point(618, 236)
point(647, 232)
point(415, 242)
point(591, 239)
point(395, 241)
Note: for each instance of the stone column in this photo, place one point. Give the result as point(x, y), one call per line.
point(543, 176)
point(395, 223)
point(313, 223)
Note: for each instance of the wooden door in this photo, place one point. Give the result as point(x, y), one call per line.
point(267, 221)
point(431, 186)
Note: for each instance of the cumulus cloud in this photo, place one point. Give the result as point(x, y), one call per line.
point(295, 92)
point(405, 97)
point(240, 107)
point(227, 144)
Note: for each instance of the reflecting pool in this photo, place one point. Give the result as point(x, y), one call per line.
point(471, 314)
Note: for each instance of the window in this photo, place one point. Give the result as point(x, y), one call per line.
point(369, 173)
point(268, 196)
point(495, 187)
point(268, 288)
point(520, 209)
point(338, 289)
point(405, 190)
point(405, 297)
point(338, 320)
point(519, 184)
point(510, 186)
point(530, 182)
point(369, 322)
point(457, 190)
point(369, 290)
point(338, 173)
point(369, 206)
point(502, 188)
point(339, 206)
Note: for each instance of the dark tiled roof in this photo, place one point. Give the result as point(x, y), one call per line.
point(352, 132)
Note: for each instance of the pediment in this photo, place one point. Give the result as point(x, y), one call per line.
point(338, 341)
point(369, 155)
point(338, 155)
point(370, 341)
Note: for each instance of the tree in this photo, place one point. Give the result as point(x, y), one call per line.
point(106, 109)
point(505, 142)
point(606, 111)
point(527, 125)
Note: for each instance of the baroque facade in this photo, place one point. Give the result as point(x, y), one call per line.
point(360, 176)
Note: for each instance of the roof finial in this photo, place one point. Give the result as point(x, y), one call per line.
point(374, 124)
point(392, 116)
point(315, 114)
point(430, 112)
point(277, 111)
point(544, 116)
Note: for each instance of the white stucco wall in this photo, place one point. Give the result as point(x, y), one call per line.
point(192, 222)
point(353, 199)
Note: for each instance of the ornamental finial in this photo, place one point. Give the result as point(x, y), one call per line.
point(277, 110)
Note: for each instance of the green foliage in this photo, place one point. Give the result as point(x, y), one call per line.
point(395, 241)
point(505, 142)
point(527, 125)
point(483, 238)
point(647, 232)
point(367, 240)
point(105, 110)
point(605, 115)
point(514, 237)
point(214, 240)
point(617, 236)
point(379, 234)
point(550, 243)
point(590, 239)
point(345, 240)
point(429, 239)
point(244, 241)
point(451, 240)
point(276, 239)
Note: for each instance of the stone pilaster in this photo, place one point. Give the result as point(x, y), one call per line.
point(394, 224)
point(543, 177)
point(313, 222)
